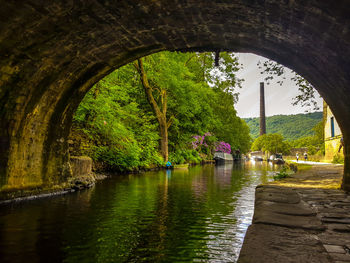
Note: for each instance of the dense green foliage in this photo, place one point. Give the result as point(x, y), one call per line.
point(275, 143)
point(272, 143)
point(315, 143)
point(123, 135)
point(337, 158)
point(291, 127)
point(123, 128)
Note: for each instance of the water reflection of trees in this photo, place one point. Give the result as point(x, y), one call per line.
point(159, 216)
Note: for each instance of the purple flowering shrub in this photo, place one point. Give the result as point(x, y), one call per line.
point(205, 144)
point(223, 147)
point(200, 140)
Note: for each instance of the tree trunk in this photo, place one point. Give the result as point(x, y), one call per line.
point(164, 140)
point(160, 112)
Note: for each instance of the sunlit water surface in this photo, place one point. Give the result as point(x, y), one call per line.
point(195, 215)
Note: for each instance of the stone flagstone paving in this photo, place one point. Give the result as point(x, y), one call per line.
point(304, 218)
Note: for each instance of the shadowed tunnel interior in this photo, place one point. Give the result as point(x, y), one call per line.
point(53, 52)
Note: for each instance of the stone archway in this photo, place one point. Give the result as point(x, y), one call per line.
point(52, 53)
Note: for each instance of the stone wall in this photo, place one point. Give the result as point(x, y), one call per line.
point(332, 141)
point(332, 149)
point(79, 143)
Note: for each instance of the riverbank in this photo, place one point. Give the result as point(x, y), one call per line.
point(303, 218)
point(75, 184)
point(82, 177)
point(86, 174)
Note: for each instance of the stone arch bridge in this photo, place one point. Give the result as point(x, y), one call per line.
point(52, 52)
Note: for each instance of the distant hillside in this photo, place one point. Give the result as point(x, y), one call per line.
point(290, 126)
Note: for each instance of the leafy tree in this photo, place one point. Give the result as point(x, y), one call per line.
point(128, 115)
point(272, 143)
point(120, 133)
point(319, 132)
point(315, 143)
point(306, 97)
point(159, 107)
point(199, 94)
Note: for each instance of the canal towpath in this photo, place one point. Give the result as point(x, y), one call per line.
point(303, 218)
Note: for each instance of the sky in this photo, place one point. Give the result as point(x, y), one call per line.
point(278, 99)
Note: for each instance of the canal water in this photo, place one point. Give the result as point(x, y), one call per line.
point(195, 215)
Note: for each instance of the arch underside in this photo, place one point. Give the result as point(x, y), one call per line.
point(52, 53)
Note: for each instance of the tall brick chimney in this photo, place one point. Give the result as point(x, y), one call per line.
point(262, 109)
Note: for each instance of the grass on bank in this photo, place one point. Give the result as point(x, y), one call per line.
point(309, 176)
point(291, 168)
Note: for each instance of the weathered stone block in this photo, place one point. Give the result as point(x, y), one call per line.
point(81, 165)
